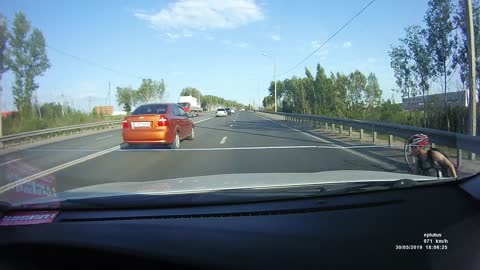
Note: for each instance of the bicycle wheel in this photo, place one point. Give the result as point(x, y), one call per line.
point(409, 158)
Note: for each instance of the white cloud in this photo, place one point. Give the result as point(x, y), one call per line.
point(276, 37)
point(195, 15)
point(242, 45)
point(347, 44)
point(316, 44)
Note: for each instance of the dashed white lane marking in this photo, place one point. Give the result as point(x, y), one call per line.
point(224, 139)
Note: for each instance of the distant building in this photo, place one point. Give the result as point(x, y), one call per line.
point(453, 98)
point(105, 110)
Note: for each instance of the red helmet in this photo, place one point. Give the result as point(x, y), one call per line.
point(419, 140)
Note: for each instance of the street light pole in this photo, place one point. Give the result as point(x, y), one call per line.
point(275, 80)
point(274, 76)
point(472, 70)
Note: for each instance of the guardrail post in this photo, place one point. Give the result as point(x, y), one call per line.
point(433, 145)
point(390, 139)
point(333, 128)
point(459, 157)
point(361, 134)
point(471, 156)
point(326, 126)
point(374, 136)
point(341, 129)
point(349, 131)
point(315, 124)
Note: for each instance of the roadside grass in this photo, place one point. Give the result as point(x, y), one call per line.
point(15, 124)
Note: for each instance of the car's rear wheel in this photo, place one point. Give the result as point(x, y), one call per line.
point(176, 142)
point(192, 136)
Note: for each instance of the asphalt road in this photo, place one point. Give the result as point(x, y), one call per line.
point(242, 143)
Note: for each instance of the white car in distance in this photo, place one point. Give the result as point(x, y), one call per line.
point(221, 112)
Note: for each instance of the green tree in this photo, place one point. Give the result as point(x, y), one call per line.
point(373, 93)
point(323, 90)
point(3, 67)
point(340, 87)
point(151, 91)
point(27, 59)
point(127, 97)
point(191, 91)
point(310, 95)
point(3, 46)
point(441, 39)
point(402, 66)
point(355, 93)
point(422, 68)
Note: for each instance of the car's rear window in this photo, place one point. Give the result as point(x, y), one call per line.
point(184, 104)
point(151, 109)
point(220, 110)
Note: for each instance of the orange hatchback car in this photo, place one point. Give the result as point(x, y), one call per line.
point(158, 124)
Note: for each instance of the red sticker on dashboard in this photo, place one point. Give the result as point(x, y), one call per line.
point(28, 218)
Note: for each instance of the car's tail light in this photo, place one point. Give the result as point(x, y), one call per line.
point(163, 121)
point(125, 123)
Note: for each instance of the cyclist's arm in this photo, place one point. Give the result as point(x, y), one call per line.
point(442, 160)
point(416, 170)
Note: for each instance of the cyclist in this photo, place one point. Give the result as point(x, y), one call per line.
point(430, 162)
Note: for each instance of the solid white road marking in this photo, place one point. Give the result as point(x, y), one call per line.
point(257, 148)
point(55, 169)
point(223, 140)
point(5, 163)
point(384, 164)
point(235, 148)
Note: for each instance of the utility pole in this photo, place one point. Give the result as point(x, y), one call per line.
point(89, 104)
point(472, 70)
point(63, 105)
point(107, 102)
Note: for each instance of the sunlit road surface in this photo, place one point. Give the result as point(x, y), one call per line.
point(241, 143)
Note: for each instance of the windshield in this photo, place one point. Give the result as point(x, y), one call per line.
point(151, 109)
point(156, 97)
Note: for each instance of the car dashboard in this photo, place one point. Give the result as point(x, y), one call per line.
point(428, 227)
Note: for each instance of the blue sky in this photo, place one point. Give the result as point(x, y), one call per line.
point(215, 46)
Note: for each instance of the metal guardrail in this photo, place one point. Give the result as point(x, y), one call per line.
point(440, 137)
point(26, 137)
